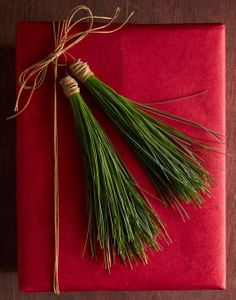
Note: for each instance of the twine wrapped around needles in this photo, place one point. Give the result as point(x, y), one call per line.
point(33, 77)
point(70, 86)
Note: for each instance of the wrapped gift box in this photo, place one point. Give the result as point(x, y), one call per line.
point(145, 63)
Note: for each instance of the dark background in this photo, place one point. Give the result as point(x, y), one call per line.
point(146, 11)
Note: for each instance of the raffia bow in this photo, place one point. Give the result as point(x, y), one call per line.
point(33, 77)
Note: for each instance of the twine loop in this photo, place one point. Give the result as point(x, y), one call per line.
point(65, 38)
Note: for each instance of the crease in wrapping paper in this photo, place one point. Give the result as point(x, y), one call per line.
point(144, 63)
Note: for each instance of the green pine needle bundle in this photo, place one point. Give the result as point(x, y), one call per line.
point(170, 158)
point(119, 217)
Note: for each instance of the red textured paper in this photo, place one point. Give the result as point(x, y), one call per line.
point(144, 63)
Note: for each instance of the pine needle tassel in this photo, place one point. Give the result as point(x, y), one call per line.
point(120, 219)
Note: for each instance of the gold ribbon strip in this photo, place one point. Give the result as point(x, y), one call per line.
point(34, 76)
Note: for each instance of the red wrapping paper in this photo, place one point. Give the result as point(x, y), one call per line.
point(145, 63)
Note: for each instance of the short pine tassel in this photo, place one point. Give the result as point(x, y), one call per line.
point(170, 158)
point(119, 217)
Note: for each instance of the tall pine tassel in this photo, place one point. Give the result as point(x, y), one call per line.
point(170, 158)
point(119, 217)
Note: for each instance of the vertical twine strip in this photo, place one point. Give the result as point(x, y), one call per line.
point(56, 286)
point(64, 40)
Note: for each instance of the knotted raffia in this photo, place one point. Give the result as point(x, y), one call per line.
point(80, 70)
point(70, 86)
point(33, 77)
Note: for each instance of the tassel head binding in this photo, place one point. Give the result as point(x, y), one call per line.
point(70, 86)
point(80, 70)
